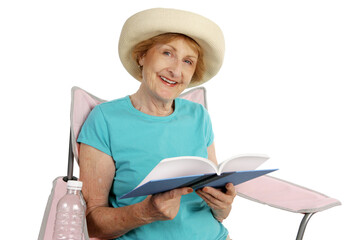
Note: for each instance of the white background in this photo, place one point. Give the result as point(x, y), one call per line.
point(288, 88)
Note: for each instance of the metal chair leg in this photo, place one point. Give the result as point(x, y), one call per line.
point(303, 224)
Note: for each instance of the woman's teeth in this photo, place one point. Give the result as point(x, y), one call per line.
point(167, 80)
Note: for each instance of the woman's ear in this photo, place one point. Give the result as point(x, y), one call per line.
point(141, 60)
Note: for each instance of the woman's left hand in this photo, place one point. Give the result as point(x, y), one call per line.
point(218, 201)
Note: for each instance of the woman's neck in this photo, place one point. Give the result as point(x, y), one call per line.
point(151, 105)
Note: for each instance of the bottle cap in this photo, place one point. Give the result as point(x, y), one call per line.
point(75, 185)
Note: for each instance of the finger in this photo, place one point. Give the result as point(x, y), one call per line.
point(223, 198)
point(216, 193)
point(227, 197)
point(178, 192)
point(213, 202)
point(230, 189)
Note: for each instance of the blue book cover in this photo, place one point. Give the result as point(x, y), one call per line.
point(196, 182)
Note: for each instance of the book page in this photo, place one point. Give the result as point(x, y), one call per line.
point(243, 162)
point(180, 166)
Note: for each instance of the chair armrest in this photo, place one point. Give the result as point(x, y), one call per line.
point(285, 195)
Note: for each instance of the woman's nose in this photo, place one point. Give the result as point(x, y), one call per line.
point(175, 69)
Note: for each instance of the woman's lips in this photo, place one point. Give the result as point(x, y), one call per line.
point(167, 81)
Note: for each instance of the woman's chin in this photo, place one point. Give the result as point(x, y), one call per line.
point(168, 94)
point(166, 97)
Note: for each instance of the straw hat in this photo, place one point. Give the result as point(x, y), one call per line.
point(152, 22)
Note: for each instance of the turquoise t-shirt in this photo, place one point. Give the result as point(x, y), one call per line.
point(138, 142)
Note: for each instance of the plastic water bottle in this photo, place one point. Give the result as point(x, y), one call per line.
point(70, 214)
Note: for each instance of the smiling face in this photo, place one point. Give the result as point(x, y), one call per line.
point(167, 69)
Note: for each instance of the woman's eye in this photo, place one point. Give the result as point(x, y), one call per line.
point(167, 53)
point(188, 62)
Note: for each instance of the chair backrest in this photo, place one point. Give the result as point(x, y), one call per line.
point(83, 102)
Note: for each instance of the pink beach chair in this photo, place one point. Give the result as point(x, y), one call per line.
point(267, 190)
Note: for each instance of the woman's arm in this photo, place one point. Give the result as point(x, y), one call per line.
point(97, 172)
point(219, 202)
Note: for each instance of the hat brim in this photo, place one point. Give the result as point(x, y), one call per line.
point(156, 21)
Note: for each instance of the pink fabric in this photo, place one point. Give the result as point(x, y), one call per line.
point(284, 195)
point(82, 104)
point(196, 95)
point(58, 191)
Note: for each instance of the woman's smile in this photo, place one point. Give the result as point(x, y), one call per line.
point(168, 82)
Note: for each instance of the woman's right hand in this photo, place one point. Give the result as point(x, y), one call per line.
point(165, 206)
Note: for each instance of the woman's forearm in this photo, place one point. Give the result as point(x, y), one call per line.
point(108, 222)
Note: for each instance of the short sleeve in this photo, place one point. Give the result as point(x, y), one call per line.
point(94, 131)
point(209, 134)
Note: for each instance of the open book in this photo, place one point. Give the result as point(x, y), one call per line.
point(197, 172)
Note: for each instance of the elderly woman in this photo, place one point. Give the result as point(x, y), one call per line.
point(123, 140)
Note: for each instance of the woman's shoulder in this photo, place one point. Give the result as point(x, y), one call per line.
point(189, 103)
point(115, 103)
point(191, 107)
point(109, 108)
